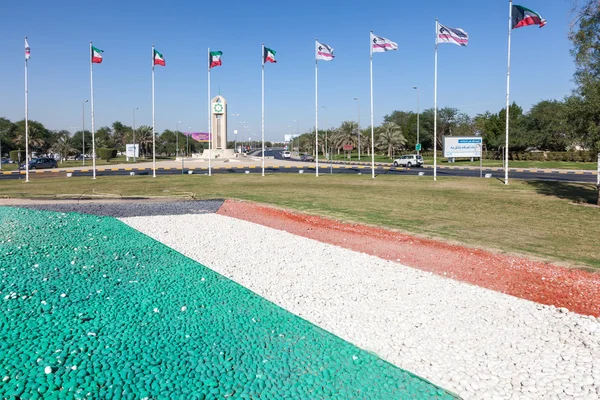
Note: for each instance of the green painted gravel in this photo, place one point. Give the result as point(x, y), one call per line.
point(91, 308)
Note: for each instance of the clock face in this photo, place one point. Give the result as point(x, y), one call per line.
point(218, 108)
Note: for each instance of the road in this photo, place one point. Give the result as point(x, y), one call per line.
point(276, 164)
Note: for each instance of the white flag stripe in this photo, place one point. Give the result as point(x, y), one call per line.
point(452, 35)
point(27, 50)
point(380, 44)
point(324, 52)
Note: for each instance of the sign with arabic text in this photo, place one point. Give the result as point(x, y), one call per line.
point(462, 146)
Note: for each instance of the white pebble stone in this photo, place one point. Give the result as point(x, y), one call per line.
point(475, 342)
point(48, 370)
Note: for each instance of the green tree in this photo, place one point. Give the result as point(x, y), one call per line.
point(407, 121)
point(119, 132)
point(37, 136)
point(390, 137)
point(6, 133)
point(63, 145)
point(584, 105)
point(103, 138)
point(346, 135)
point(546, 124)
point(78, 142)
point(143, 136)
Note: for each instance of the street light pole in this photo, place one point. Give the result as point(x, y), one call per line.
point(298, 135)
point(177, 140)
point(418, 113)
point(83, 129)
point(358, 128)
point(187, 142)
point(134, 159)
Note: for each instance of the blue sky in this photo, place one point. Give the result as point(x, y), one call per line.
point(472, 79)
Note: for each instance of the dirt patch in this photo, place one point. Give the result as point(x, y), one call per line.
point(544, 283)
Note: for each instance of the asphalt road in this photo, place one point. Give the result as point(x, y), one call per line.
point(324, 168)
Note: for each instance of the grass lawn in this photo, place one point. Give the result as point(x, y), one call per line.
point(534, 218)
point(486, 163)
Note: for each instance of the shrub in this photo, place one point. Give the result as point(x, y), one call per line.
point(14, 155)
point(107, 154)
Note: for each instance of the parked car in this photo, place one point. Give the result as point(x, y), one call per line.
point(6, 161)
point(41, 163)
point(411, 160)
point(307, 157)
point(286, 154)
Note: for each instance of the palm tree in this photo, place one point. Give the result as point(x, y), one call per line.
point(119, 130)
point(346, 135)
point(143, 136)
point(390, 137)
point(62, 146)
point(36, 139)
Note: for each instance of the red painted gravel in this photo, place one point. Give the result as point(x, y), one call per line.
point(545, 283)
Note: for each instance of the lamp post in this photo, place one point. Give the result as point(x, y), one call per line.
point(187, 142)
point(327, 143)
point(83, 129)
point(234, 134)
point(298, 135)
point(1, 150)
point(358, 127)
point(133, 131)
point(177, 140)
point(418, 113)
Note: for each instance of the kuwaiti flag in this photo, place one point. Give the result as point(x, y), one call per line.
point(522, 16)
point(27, 50)
point(96, 55)
point(269, 55)
point(324, 52)
point(380, 44)
point(214, 59)
point(158, 58)
point(452, 35)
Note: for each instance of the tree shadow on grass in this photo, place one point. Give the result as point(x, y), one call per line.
point(585, 193)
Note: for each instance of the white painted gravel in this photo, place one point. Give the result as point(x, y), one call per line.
point(473, 341)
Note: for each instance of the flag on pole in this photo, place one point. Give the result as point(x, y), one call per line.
point(158, 58)
point(269, 55)
point(380, 44)
point(214, 59)
point(522, 16)
point(324, 52)
point(96, 55)
point(452, 35)
point(27, 51)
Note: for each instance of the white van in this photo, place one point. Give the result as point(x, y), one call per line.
point(286, 154)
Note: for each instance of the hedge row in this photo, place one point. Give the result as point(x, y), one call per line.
point(107, 154)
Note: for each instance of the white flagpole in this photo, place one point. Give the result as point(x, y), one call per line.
point(153, 134)
point(372, 119)
point(263, 109)
point(316, 114)
point(210, 136)
point(26, 122)
point(437, 29)
point(92, 114)
point(507, 95)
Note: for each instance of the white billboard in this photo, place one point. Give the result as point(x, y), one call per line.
point(132, 150)
point(462, 146)
point(290, 137)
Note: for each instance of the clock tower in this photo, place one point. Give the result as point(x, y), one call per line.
point(219, 123)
